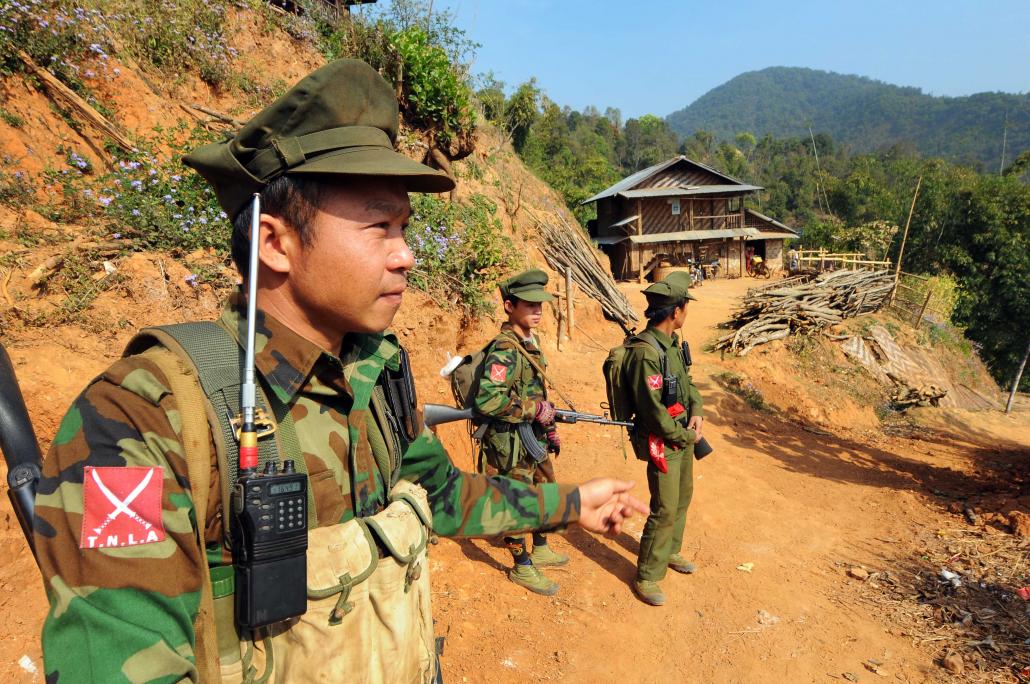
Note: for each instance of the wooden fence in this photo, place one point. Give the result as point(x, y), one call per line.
point(822, 260)
point(915, 305)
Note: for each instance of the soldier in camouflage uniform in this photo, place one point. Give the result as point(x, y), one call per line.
point(671, 491)
point(119, 538)
point(512, 391)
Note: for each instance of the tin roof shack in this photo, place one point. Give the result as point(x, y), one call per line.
point(679, 210)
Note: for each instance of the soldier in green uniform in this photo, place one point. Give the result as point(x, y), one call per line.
point(126, 543)
point(655, 429)
point(512, 391)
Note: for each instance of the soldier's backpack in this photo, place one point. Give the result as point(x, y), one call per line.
point(465, 378)
point(620, 400)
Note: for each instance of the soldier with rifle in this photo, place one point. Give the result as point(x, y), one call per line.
point(520, 429)
point(250, 500)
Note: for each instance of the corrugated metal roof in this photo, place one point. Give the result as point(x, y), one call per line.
point(609, 239)
point(689, 235)
point(629, 182)
point(691, 190)
point(768, 235)
point(763, 217)
point(625, 221)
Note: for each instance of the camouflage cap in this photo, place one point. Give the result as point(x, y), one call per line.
point(670, 290)
point(339, 119)
point(529, 286)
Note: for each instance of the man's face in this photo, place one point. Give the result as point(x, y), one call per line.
point(523, 314)
point(679, 316)
point(352, 275)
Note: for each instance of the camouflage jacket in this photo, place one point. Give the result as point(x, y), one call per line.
point(643, 369)
point(125, 613)
point(509, 389)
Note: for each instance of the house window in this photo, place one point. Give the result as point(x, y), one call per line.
point(676, 207)
point(732, 205)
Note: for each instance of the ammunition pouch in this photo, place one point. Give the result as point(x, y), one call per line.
point(368, 602)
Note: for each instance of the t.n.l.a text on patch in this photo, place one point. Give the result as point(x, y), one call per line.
point(121, 507)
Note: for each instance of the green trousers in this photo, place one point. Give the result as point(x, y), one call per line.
point(670, 497)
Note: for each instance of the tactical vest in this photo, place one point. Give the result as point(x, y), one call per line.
point(369, 618)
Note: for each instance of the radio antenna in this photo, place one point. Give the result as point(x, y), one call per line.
point(248, 392)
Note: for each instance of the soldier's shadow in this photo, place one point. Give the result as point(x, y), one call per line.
point(606, 557)
point(478, 555)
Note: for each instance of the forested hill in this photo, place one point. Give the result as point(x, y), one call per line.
point(866, 114)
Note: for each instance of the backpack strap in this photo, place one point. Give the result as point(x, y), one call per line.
point(536, 366)
point(197, 450)
point(650, 339)
point(217, 361)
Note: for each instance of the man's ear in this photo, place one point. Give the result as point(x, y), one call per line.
point(278, 244)
point(509, 306)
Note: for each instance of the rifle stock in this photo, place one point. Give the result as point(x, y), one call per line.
point(19, 448)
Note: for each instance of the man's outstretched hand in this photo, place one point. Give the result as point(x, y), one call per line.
point(606, 503)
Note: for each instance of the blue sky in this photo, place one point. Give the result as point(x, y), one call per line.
point(659, 56)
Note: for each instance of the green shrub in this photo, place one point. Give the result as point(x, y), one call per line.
point(16, 189)
point(174, 36)
point(11, 119)
point(435, 95)
point(461, 250)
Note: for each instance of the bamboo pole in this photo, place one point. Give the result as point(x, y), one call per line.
point(904, 238)
point(569, 298)
point(922, 310)
point(1015, 383)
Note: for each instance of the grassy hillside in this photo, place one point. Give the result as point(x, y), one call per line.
point(863, 113)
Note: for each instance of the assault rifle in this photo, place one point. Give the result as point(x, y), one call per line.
point(436, 414)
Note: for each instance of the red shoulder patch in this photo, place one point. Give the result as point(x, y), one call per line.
point(654, 382)
point(121, 507)
point(498, 372)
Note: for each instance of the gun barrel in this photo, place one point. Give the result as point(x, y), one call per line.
point(436, 414)
point(563, 416)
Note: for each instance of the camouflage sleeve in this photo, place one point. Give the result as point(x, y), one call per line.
point(115, 536)
point(467, 505)
point(497, 397)
point(644, 380)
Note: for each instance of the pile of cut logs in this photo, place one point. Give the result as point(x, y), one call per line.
point(774, 313)
point(567, 246)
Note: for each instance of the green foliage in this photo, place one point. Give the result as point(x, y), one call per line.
point(16, 188)
point(864, 114)
point(434, 92)
point(66, 38)
point(520, 112)
point(174, 36)
point(871, 239)
point(11, 119)
point(149, 199)
point(460, 249)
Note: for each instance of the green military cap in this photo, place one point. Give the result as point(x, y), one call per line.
point(669, 290)
point(339, 119)
point(682, 280)
point(529, 286)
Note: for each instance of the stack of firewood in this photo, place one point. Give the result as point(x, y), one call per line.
point(567, 246)
point(775, 313)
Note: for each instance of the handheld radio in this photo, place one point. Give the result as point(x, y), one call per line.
point(268, 515)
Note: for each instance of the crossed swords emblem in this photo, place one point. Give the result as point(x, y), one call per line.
point(122, 505)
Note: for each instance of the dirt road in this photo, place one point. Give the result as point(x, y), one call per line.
point(800, 506)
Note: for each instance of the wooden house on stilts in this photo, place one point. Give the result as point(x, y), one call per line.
point(678, 210)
